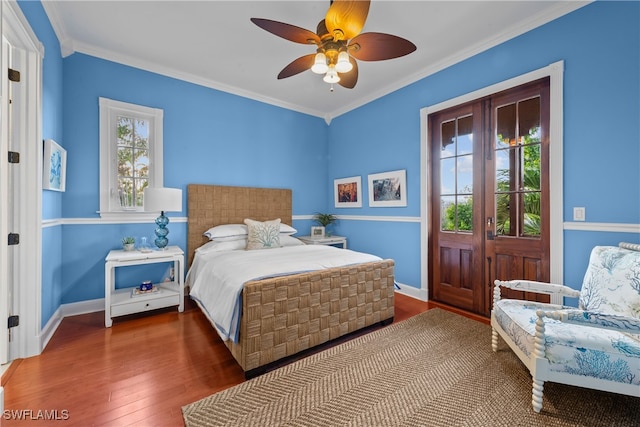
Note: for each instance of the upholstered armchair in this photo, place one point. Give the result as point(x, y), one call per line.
point(596, 345)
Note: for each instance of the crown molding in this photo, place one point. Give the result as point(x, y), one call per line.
point(70, 46)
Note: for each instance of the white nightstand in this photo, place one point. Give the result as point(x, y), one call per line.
point(119, 302)
point(327, 241)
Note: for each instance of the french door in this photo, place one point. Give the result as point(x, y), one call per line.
point(489, 195)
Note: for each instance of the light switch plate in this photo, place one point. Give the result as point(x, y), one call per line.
point(579, 214)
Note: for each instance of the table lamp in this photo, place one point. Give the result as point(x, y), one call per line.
point(162, 200)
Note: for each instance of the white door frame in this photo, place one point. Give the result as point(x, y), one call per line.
point(555, 72)
point(28, 267)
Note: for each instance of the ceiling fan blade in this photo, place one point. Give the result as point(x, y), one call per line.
point(287, 31)
point(297, 66)
point(349, 79)
point(347, 16)
point(379, 46)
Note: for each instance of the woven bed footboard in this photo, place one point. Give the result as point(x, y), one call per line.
point(285, 315)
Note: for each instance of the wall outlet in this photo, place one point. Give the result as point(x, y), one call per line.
point(579, 214)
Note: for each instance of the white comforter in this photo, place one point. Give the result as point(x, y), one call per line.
point(217, 278)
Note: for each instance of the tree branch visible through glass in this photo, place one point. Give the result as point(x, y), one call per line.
point(133, 160)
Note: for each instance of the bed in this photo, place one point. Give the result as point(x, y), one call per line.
point(285, 315)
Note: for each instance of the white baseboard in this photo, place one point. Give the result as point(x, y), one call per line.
point(49, 329)
point(66, 310)
point(410, 291)
point(82, 307)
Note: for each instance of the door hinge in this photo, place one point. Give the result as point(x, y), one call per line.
point(13, 321)
point(14, 75)
point(14, 157)
point(14, 239)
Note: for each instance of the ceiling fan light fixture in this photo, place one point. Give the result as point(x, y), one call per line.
point(332, 75)
point(320, 64)
point(343, 65)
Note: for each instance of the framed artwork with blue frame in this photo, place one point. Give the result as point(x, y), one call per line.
point(54, 176)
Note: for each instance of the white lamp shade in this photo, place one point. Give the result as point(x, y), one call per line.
point(320, 64)
point(162, 199)
point(331, 76)
point(343, 65)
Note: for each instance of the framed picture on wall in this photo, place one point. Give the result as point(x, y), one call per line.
point(54, 175)
point(388, 189)
point(348, 192)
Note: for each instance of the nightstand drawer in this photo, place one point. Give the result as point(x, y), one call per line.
point(139, 304)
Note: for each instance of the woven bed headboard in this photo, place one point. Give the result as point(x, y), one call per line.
point(210, 205)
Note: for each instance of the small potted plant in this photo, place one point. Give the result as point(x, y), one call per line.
point(128, 243)
point(325, 220)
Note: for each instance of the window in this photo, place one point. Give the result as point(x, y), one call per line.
point(130, 156)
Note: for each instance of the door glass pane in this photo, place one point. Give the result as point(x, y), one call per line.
point(531, 175)
point(448, 139)
point(506, 126)
point(503, 170)
point(529, 121)
point(503, 217)
point(456, 175)
point(448, 213)
point(448, 176)
point(465, 213)
point(465, 175)
point(465, 135)
point(531, 214)
point(518, 180)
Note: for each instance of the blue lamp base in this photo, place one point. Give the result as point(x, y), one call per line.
point(162, 231)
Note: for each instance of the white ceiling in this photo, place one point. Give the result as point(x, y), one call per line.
point(213, 43)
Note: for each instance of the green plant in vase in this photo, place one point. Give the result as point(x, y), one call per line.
point(128, 243)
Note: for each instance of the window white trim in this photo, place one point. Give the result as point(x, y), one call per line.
point(109, 109)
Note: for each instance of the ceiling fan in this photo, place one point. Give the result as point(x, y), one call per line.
point(339, 43)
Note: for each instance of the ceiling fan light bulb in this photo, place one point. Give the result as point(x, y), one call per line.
point(343, 65)
point(331, 76)
point(320, 65)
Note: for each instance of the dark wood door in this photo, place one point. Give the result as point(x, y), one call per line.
point(457, 212)
point(517, 188)
point(489, 196)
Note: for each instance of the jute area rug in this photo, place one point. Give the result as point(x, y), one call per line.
point(434, 369)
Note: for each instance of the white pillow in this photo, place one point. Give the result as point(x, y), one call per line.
point(263, 235)
point(226, 231)
point(216, 246)
point(287, 229)
point(286, 240)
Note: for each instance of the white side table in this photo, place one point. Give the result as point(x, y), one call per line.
point(327, 241)
point(120, 302)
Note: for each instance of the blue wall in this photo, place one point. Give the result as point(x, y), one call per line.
point(209, 137)
point(600, 45)
point(214, 137)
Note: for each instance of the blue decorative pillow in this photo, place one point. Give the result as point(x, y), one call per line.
point(263, 235)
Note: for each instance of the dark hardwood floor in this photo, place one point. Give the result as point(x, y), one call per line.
point(139, 372)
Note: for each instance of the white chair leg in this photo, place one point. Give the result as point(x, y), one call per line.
point(536, 396)
point(494, 339)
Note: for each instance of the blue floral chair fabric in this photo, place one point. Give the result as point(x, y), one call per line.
point(596, 345)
